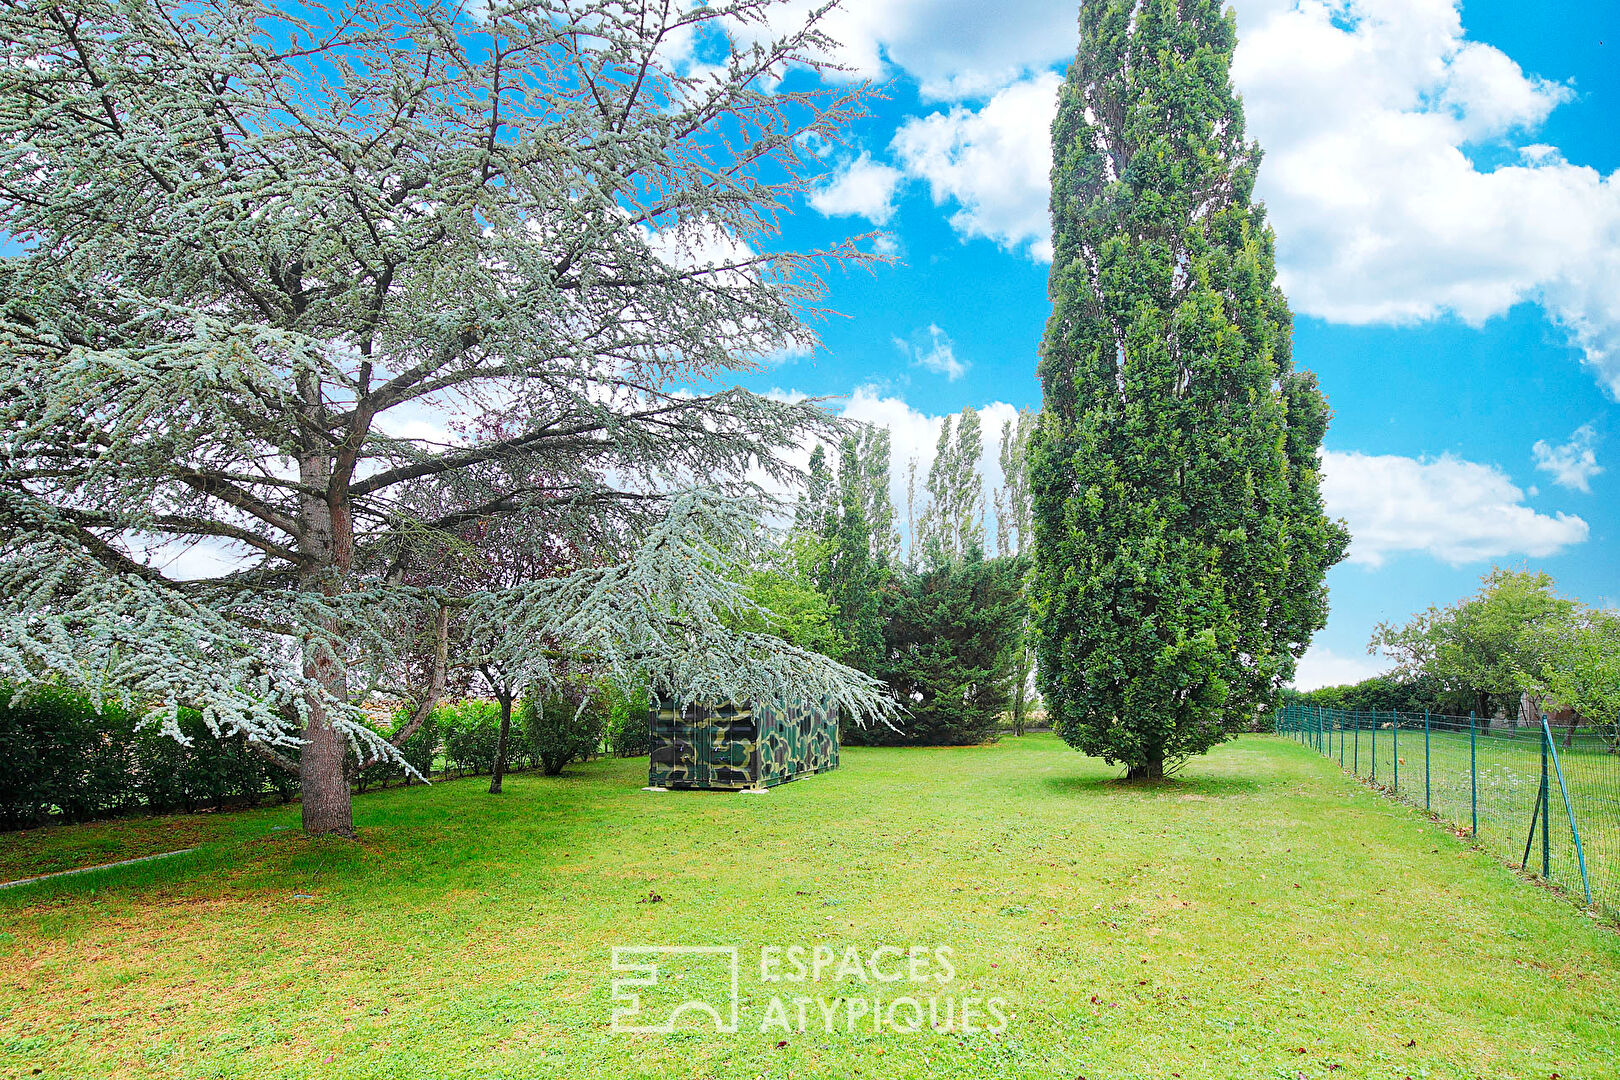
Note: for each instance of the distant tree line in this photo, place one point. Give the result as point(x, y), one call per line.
point(1380, 693)
point(1515, 646)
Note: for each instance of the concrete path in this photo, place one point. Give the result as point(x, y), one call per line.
point(87, 869)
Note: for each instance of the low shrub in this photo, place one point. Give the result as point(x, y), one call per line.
point(471, 730)
point(629, 730)
point(562, 727)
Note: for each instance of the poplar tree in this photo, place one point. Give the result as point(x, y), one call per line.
point(1013, 537)
point(853, 576)
point(848, 517)
point(1180, 539)
point(953, 521)
point(874, 453)
point(816, 510)
point(1012, 500)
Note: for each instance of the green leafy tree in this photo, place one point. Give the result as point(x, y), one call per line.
point(1180, 540)
point(946, 654)
point(787, 599)
point(1579, 667)
point(1483, 652)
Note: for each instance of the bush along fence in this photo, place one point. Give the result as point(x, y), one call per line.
point(1543, 797)
point(62, 760)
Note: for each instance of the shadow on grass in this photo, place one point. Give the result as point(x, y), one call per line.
point(1206, 787)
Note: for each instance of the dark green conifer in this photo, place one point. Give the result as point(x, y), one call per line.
point(1180, 539)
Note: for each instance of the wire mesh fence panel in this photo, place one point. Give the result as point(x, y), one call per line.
point(1542, 796)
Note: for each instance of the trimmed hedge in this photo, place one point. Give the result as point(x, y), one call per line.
point(419, 751)
point(61, 760)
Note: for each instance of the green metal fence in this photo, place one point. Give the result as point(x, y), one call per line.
point(1543, 797)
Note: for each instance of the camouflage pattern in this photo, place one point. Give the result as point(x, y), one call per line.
point(733, 746)
point(703, 746)
point(800, 738)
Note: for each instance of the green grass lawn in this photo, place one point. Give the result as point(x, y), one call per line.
point(1438, 776)
point(1266, 916)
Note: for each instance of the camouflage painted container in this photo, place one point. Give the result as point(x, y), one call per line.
point(732, 746)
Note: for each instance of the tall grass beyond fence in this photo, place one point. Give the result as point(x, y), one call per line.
point(1543, 797)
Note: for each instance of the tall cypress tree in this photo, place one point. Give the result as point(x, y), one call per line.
point(1180, 540)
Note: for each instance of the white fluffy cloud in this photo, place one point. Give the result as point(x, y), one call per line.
point(933, 349)
point(954, 48)
point(992, 163)
point(862, 188)
point(1572, 464)
point(1321, 666)
point(1367, 109)
point(1457, 511)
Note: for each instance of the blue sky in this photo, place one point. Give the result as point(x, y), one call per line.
point(1445, 184)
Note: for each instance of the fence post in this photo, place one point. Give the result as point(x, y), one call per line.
point(1428, 803)
point(1473, 775)
point(1395, 746)
point(1375, 746)
point(1355, 755)
point(1341, 740)
point(1569, 809)
point(1546, 838)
